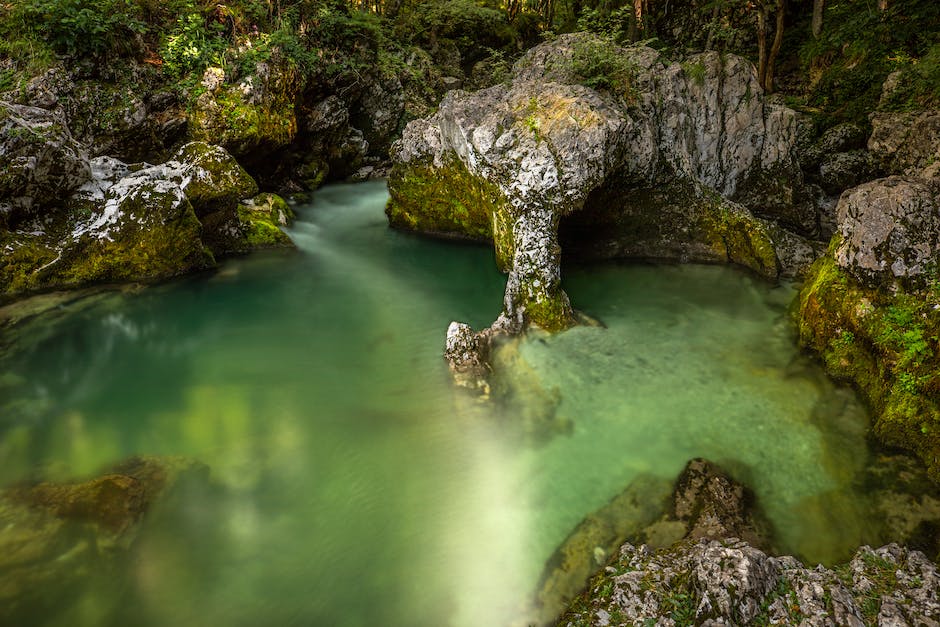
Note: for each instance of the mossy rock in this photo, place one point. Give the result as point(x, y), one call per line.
point(886, 345)
point(214, 179)
point(226, 118)
point(449, 201)
point(262, 218)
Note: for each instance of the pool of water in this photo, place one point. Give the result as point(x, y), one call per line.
point(354, 486)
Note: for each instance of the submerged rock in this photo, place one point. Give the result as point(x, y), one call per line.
point(705, 504)
point(53, 536)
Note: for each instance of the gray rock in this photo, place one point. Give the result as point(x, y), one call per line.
point(40, 162)
point(907, 143)
point(731, 583)
point(467, 354)
point(841, 170)
point(843, 138)
point(890, 229)
point(547, 142)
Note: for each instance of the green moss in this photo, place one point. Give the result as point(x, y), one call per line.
point(550, 312)
point(449, 201)
point(886, 345)
point(228, 120)
point(746, 241)
point(261, 219)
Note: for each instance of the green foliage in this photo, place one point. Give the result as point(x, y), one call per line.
point(598, 64)
point(860, 46)
point(191, 47)
point(919, 82)
point(85, 28)
point(696, 71)
point(614, 25)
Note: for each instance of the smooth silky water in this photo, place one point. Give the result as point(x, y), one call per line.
point(352, 486)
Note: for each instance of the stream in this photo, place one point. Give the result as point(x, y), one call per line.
point(353, 486)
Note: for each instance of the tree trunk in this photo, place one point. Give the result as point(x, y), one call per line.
point(761, 43)
point(638, 14)
point(716, 14)
point(818, 6)
point(775, 48)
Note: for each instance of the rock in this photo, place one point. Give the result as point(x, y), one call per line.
point(380, 111)
point(906, 143)
point(713, 505)
point(730, 582)
point(40, 162)
point(58, 535)
point(252, 119)
point(587, 548)
point(889, 230)
point(467, 355)
point(843, 137)
point(211, 178)
point(511, 162)
point(142, 222)
point(841, 170)
point(261, 220)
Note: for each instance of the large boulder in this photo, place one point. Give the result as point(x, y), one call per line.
point(906, 143)
point(889, 229)
point(40, 162)
point(252, 118)
point(132, 222)
point(673, 159)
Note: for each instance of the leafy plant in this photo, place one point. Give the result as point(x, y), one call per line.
point(598, 64)
point(85, 28)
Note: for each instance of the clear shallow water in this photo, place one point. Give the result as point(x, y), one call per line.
point(353, 487)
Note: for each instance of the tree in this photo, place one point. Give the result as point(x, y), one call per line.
point(767, 59)
point(818, 6)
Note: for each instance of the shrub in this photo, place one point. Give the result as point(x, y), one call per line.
point(85, 28)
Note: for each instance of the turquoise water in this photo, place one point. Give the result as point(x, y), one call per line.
point(352, 486)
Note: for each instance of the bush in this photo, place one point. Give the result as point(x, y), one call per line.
point(599, 64)
point(85, 28)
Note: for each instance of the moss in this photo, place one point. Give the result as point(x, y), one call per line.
point(168, 246)
point(745, 240)
point(449, 201)
point(886, 345)
point(218, 181)
point(550, 312)
point(260, 220)
point(228, 120)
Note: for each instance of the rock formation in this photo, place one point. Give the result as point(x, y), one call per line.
point(665, 161)
point(713, 576)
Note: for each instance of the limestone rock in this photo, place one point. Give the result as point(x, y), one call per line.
point(841, 170)
point(467, 354)
point(730, 582)
point(906, 143)
point(540, 146)
point(40, 162)
point(889, 229)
